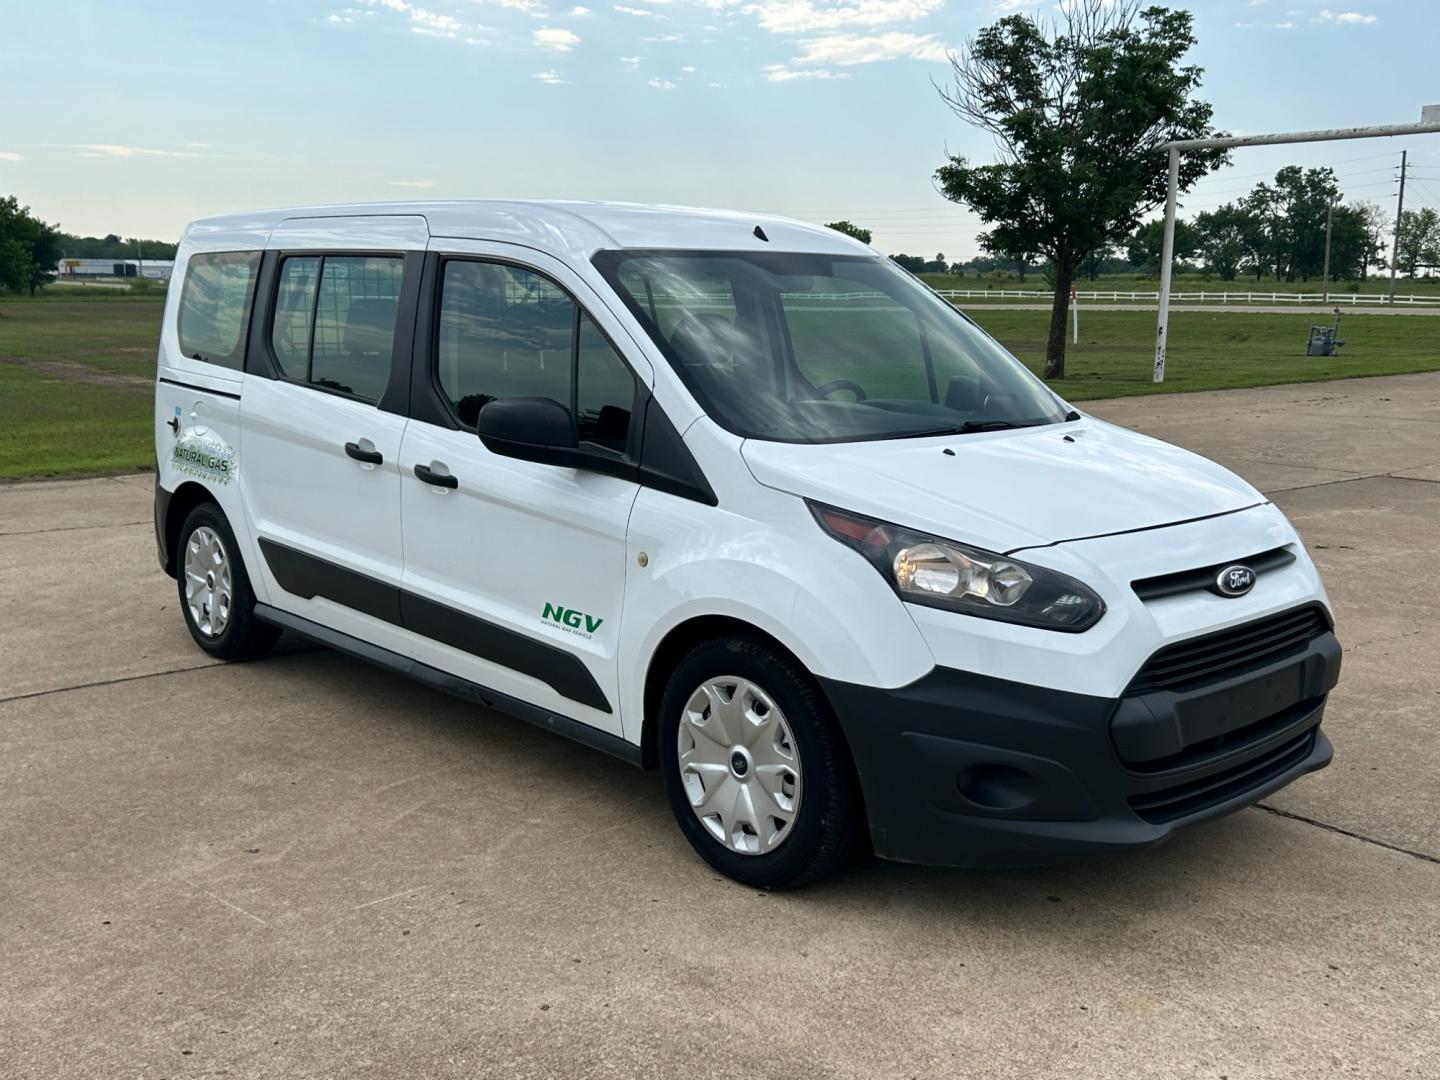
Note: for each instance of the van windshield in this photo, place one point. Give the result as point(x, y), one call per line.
point(823, 348)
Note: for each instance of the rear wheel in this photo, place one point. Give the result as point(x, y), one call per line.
point(215, 593)
point(757, 772)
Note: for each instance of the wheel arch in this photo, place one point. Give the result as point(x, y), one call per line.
point(183, 500)
point(673, 647)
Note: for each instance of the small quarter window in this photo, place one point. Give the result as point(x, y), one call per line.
point(604, 390)
point(215, 306)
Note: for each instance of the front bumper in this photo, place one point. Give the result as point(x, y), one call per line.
point(959, 769)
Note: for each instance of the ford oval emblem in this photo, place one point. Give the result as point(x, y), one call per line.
point(1235, 581)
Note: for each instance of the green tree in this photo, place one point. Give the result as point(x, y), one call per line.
point(1419, 243)
point(850, 229)
point(1224, 239)
point(29, 248)
point(1145, 245)
point(1079, 109)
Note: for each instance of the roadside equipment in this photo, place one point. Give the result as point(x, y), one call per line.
point(1324, 340)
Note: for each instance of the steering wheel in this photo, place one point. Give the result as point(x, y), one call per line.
point(839, 384)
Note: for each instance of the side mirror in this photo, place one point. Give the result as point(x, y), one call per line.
point(530, 428)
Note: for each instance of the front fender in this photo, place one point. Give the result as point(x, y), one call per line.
point(775, 571)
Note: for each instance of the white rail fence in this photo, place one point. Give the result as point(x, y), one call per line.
point(1231, 296)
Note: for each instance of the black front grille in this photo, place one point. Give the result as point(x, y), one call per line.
point(1182, 800)
point(1229, 652)
point(1203, 577)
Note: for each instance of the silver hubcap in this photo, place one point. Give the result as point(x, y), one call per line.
point(739, 766)
point(207, 582)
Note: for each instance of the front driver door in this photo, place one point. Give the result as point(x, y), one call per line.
point(515, 571)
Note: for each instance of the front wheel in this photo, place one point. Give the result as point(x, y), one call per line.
point(756, 769)
point(215, 593)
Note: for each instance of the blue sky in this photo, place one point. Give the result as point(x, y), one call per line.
point(138, 117)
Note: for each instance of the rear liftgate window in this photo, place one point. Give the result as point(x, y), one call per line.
point(215, 306)
point(334, 323)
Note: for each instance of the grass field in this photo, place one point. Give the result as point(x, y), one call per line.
point(1376, 286)
point(75, 385)
point(75, 395)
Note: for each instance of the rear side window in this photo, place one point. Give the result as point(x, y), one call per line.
point(215, 306)
point(334, 324)
point(508, 332)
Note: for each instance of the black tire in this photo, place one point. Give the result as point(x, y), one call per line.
point(243, 636)
point(827, 828)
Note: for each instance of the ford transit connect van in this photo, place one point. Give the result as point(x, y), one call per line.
point(735, 498)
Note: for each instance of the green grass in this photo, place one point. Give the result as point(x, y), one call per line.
point(50, 427)
point(54, 424)
point(1376, 286)
point(118, 336)
point(1214, 350)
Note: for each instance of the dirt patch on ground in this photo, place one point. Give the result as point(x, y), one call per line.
point(66, 371)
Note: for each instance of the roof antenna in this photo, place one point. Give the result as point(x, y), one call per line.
point(760, 234)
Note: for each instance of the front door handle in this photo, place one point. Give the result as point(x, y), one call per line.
point(439, 479)
point(359, 453)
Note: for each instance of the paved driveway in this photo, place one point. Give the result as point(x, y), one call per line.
point(304, 866)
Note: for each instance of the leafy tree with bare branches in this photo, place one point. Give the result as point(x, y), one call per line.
point(1078, 108)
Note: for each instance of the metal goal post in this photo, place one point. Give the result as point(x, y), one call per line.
point(1430, 124)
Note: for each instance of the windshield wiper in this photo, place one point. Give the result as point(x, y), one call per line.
point(960, 429)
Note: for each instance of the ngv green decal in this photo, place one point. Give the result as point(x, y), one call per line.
point(570, 620)
point(202, 456)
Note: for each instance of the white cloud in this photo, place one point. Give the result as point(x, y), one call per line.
point(423, 21)
point(1265, 26)
point(661, 84)
point(432, 25)
point(781, 73)
point(1346, 18)
point(115, 150)
point(550, 78)
point(798, 16)
point(533, 8)
point(631, 62)
point(665, 39)
point(411, 183)
point(688, 69)
point(847, 49)
point(636, 11)
point(579, 12)
point(555, 39)
point(10, 155)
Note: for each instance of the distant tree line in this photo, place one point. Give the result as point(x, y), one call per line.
point(30, 249)
point(111, 246)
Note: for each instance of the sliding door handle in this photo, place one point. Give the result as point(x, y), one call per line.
point(360, 453)
point(439, 479)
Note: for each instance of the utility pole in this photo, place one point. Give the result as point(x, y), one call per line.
point(1329, 224)
point(1399, 213)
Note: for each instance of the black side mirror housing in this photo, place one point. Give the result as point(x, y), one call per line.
point(529, 428)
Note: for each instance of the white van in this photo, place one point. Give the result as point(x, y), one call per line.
point(731, 497)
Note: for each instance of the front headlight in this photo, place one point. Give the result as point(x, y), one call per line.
point(939, 573)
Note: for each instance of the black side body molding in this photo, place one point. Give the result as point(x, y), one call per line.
point(307, 577)
point(452, 684)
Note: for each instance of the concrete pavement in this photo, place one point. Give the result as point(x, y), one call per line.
point(304, 866)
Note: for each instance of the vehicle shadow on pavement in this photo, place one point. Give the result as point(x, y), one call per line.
point(1212, 859)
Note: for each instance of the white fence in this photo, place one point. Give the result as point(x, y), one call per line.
point(1231, 296)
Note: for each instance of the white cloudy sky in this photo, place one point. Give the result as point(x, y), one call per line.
point(135, 118)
